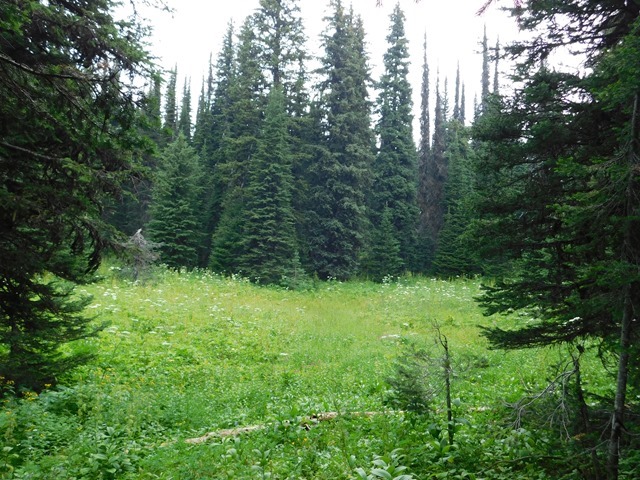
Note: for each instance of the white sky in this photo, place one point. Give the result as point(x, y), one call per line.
point(454, 32)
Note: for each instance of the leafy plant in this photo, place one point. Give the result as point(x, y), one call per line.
point(386, 467)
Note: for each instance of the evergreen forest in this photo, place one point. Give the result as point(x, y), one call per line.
point(505, 228)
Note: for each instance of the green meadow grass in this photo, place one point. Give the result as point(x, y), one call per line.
point(185, 354)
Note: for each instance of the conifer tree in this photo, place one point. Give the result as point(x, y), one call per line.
point(456, 254)
point(202, 114)
point(424, 246)
point(176, 205)
point(561, 165)
point(435, 179)
point(283, 57)
point(237, 110)
point(383, 258)
point(171, 106)
point(463, 106)
point(280, 42)
point(203, 123)
point(395, 167)
point(184, 121)
point(457, 113)
point(496, 72)
point(341, 170)
point(68, 132)
point(268, 245)
point(484, 83)
point(216, 139)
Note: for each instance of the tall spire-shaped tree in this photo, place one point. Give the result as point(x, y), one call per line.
point(175, 205)
point(340, 173)
point(184, 121)
point(201, 129)
point(424, 155)
point(269, 250)
point(280, 41)
point(463, 106)
point(395, 167)
point(456, 100)
point(171, 106)
point(435, 178)
point(217, 141)
point(496, 72)
point(240, 122)
point(283, 58)
point(484, 83)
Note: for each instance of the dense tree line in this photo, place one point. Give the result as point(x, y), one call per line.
point(352, 181)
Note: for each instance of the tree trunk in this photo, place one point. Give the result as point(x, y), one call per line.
point(629, 253)
point(617, 420)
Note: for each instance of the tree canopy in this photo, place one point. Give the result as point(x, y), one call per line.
point(68, 118)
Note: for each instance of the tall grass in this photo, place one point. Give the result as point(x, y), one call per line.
point(188, 353)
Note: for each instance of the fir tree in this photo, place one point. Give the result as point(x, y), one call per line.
point(383, 258)
point(280, 41)
point(237, 119)
point(216, 139)
point(561, 165)
point(171, 107)
point(484, 84)
point(395, 166)
point(269, 251)
point(435, 180)
point(456, 253)
point(340, 172)
point(496, 72)
point(424, 246)
point(68, 131)
point(184, 121)
point(176, 205)
point(457, 113)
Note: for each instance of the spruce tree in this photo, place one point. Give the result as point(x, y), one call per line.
point(395, 167)
point(435, 178)
point(238, 108)
point(68, 132)
point(424, 245)
point(268, 245)
point(484, 83)
point(561, 165)
point(216, 139)
point(341, 170)
point(176, 204)
point(456, 253)
point(496, 71)
point(171, 107)
point(383, 258)
point(184, 121)
point(457, 113)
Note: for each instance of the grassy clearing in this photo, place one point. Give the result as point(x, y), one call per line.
point(191, 353)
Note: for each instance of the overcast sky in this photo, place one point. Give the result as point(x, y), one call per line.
point(187, 37)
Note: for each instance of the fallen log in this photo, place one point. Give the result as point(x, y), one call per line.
point(305, 423)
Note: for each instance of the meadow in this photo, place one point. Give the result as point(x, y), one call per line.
point(198, 376)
